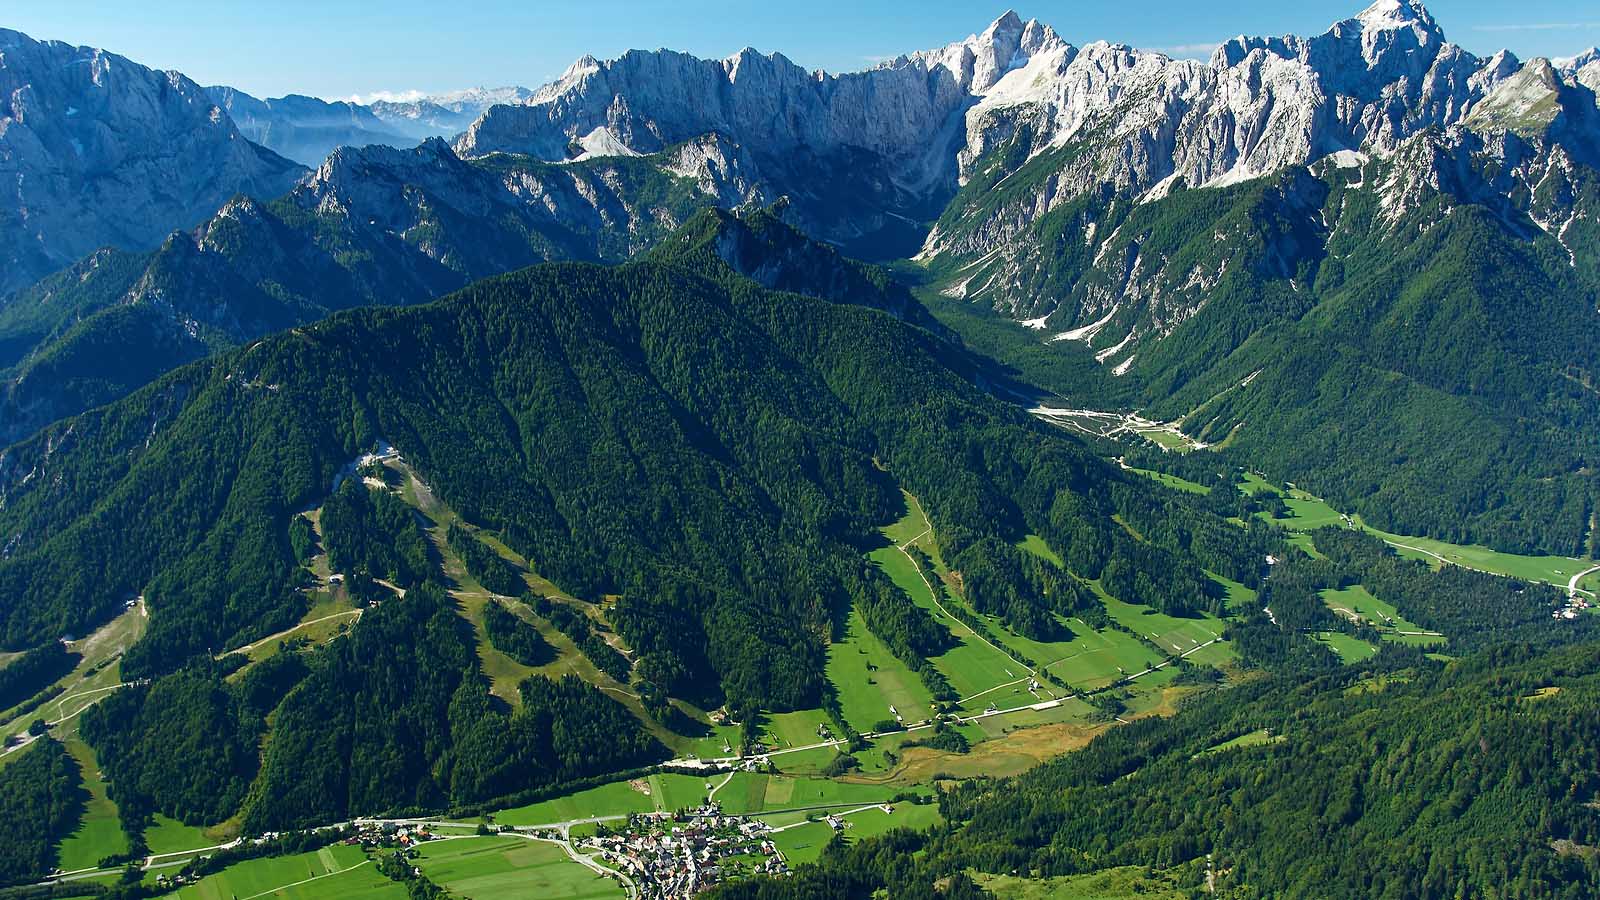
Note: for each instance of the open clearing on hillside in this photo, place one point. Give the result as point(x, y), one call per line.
point(869, 679)
point(335, 873)
point(1096, 659)
point(1308, 512)
point(99, 833)
point(1250, 739)
point(616, 799)
point(168, 835)
point(1171, 633)
point(972, 665)
point(750, 793)
point(803, 843)
point(1171, 481)
point(1383, 616)
point(1350, 649)
point(502, 868)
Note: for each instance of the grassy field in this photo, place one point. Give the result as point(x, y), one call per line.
point(335, 873)
point(1098, 658)
point(1308, 512)
point(911, 526)
point(1036, 545)
point(171, 836)
point(507, 868)
point(715, 741)
point(671, 792)
point(1240, 598)
point(91, 680)
point(1382, 615)
point(329, 617)
point(1590, 582)
point(804, 843)
point(869, 679)
point(1094, 659)
point(1350, 649)
point(796, 729)
point(972, 665)
point(1170, 633)
point(1070, 710)
point(1251, 739)
point(617, 798)
point(1303, 540)
point(756, 792)
point(1173, 481)
point(99, 832)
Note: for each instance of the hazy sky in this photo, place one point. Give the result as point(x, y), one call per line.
point(336, 49)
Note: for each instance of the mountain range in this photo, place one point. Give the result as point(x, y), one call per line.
point(307, 129)
point(100, 151)
point(1084, 190)
point(694, 431)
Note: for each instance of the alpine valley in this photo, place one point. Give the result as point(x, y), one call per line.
point(1016, 469)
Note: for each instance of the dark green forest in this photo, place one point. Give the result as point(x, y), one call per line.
point(41, 798)
point(33, 671)
point(487, 566)
point(509, 634)
point(707, 460)
point(373, 534)
point(397, 716)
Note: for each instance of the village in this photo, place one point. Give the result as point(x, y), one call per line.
point(681, 854)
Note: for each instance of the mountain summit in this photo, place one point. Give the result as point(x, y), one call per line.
point(98, 150)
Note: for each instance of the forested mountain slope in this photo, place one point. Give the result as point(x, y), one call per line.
point(1413, 337)
point(714, 455)
point(608, 421)
point(373, 225)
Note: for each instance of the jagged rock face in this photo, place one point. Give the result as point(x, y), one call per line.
point(1089, 132)
point(912, 129)
point(96, 150)
point(1138, 119)
point(888, 133)
point(305, 129)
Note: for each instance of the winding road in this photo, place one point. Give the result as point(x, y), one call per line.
point(1572, 583)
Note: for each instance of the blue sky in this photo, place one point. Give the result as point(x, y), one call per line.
point(336, 48)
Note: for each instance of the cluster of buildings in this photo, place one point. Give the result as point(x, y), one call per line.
point(677, 855)
point(389, 835)
point(1575, 605)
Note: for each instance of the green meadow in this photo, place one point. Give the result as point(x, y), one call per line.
point(334, 873)
point(1350, 649)
point(99, 832)
point(511, 868)
point(869, 679)
point(1382, 615)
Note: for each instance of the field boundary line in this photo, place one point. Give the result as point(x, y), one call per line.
point(282, 887)
point(934, 595)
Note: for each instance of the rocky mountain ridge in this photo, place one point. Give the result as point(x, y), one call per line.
point(98, 150)
point(371, 225)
